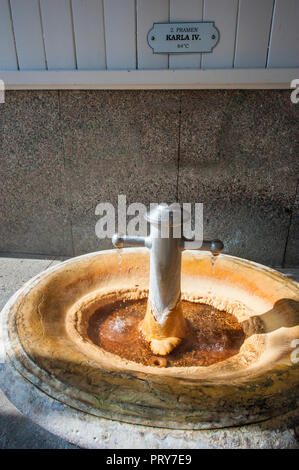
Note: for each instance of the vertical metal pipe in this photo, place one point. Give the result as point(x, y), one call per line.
point(165, 273)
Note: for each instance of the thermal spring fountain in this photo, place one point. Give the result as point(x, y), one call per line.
point(171, 336)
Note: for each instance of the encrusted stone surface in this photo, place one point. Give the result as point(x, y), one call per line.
point(47, 319)
point(91, 432)
point(21, 431)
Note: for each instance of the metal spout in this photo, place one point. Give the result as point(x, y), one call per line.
point(120, 241)
point(165, 262)
point(214, 246)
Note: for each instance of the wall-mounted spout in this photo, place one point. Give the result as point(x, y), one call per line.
point(214, 246)
point(164, 325)
point(120, 241)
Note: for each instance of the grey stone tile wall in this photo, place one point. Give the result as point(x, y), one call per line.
point(34, 215)
point(63, 152)
point(117, 143)
point(292, 245)
point(238, 156)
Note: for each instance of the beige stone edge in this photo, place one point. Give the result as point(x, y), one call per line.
point(54, 387)
point(278, 359)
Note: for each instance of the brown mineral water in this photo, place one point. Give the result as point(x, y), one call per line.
point(213, 335)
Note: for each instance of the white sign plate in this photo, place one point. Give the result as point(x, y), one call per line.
point(178, 38)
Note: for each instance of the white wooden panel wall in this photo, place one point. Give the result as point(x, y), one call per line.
point(28, 34)
point(185, 11)
point(254, 24)
point(58, 34)
point(112, 34)
point(284, 41)
point(224, 13)
point(8, 57)
point(120, 27)
point(89, 34)
point(149, 12)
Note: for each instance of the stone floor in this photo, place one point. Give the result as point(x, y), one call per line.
point(16, 430)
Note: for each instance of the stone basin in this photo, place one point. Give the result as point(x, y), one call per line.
point(45, 325)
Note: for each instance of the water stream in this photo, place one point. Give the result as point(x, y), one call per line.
point(119, 254)
point(213, 261)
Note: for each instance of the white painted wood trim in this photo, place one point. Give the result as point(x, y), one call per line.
point(150, 79)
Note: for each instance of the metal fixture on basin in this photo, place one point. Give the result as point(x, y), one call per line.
point(164, 325)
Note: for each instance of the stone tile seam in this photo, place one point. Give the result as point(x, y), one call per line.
point(289, 225)
point(68, 194)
